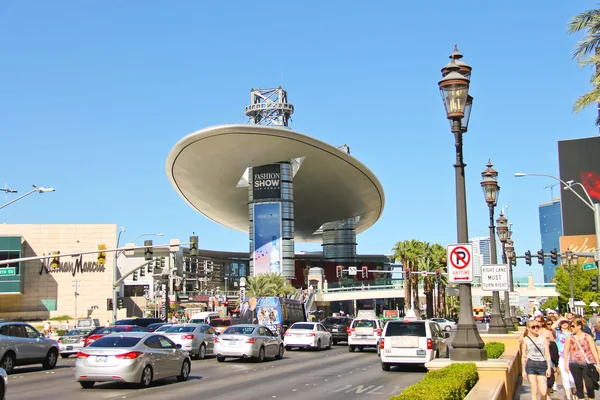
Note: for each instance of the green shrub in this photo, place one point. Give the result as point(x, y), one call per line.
point(449, 383)
point(61, 318)
point(61, 332)
point(494, 349)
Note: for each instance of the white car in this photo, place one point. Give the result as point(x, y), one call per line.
point(445, 324)
point(412, 342)
point(307, 334)
point(364, 332)
point(248, 341)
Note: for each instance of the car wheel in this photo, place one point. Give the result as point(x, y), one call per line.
point(385, 366)
point(288, 348)
point(318, 344)
point(351, 349)
point(220, 359)
point(261, 355)
point(8, 362)
point(335, 342)
point(185, 371)
point(448, 328)
point(202, 352)
point(279, 355)
point(87, 385)
point(65, 355)
point(146, 377)
point(361, 348)
point(328, 345)
point(51, 358)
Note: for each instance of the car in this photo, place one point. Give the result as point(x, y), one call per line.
point(132, 357)
point(163, 328)
point(143, 322)
point(307, 334)
point(72, 341)
point(363, 333)
point(3, 384)
point(486, 318)
point(412, 342)
point(220, 324)
point(338, 326)
point(22, 344)
point(198, 340)
point(111, 329)
point(248, 341)
point(154, 327)
point(445, 324)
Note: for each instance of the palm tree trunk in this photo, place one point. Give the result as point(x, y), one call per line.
point(415, 277)
point(407, 292)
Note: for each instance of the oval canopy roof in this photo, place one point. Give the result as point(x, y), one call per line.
point(330, 185)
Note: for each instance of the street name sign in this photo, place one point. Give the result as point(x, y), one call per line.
point(494, 277)
point(460, 265)
point(589, 266)
point(513, 299)
point(351, 270)
point(8, 271)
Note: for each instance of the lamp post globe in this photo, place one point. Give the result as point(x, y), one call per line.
point(490, 187)
point(454, 87)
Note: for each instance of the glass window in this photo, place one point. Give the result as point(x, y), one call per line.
point(153, 342)
point(269, 332)
point(239, 330)
point(406, 329)
point(115, 341)
point(242, 270)
point(111, 329)
point(8, 255)
point(180, 329)
point(31, 333)
point(18, 331)
point(166, 343)
point(364, 323)
point(309, 327)
point(5, 330)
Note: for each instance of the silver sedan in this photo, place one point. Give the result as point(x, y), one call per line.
point(135, 357)
point(248, 341)
point(199, 340)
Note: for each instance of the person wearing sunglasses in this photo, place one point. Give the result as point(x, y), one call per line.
point(563, 331)
point(580, 355)
point(537, 367)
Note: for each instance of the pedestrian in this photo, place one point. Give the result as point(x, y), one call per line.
point(563, 330)
point(537, 367)
point(107, 324)
point(580, 357)
point(46, 328)
point(596, 331)
point(49, 329)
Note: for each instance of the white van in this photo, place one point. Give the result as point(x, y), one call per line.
point(204, 317)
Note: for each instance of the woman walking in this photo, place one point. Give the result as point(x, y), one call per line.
point(580, 354)
point(563, 331)
point(537, 366)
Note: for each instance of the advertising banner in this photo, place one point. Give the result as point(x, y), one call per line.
point(266, 182)
point(579, 162)
point(267, 256)
point(579, 243)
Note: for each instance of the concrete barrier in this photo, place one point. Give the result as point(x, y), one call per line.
point(488, 388)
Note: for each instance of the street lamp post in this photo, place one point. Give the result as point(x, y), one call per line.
point(454, 87)
point(491, 191)
point(568, 258)
point(502, 230)
point(510, 256)
point(35, 189)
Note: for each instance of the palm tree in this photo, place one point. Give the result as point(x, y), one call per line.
point(587, 53)
point(400, 253)
point(433, 260)
point(271, 284)
point(416, 252)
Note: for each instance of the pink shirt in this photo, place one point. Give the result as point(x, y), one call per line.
point(575, 355)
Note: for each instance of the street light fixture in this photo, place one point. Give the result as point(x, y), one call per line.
point(510, 315)
point(491, 190)
point(35, 189)
point(502, 231)
point(454, 88)
point(568, 261)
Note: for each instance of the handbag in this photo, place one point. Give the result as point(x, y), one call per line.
point(549, 380)
point(591, 368)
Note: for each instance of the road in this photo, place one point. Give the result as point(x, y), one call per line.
point(335, 374)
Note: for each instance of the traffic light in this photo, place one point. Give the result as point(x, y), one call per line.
point(55, 260)
point(161, 265)
point(540, 256)
point(151, 266)
point(143, 271)
point(365, 272)
point(554, 256)
point(338, 271)
point(119, 303)
point(135, 275)
point(595, 283)
point(407, 273)
point(528, 257)
point(109, 305)
point(513, 261)
point(438, 274)
point(194, 245)
point(148, 250)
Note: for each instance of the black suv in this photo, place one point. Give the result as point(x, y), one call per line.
point(338, 326)
point(143, 322)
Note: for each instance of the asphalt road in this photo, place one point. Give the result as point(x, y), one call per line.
point(331, 374)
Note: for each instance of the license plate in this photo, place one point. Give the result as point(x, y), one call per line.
point(69, 347)
point(420, 352)
point(232, 343)
point(101, 359)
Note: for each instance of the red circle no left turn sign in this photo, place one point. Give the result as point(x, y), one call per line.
point(460, 257)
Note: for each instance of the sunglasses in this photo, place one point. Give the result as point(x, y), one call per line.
point(534, 327)
point(574, 326)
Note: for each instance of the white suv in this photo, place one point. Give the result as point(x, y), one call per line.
point(412, 342)
point(364, 332)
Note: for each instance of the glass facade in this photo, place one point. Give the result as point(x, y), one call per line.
point(481, 255)
point(10, 275)
point(550, 232)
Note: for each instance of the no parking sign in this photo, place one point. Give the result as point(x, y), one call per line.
point(460, 265)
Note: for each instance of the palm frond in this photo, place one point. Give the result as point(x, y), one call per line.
point(587, 99)
point(584, 21)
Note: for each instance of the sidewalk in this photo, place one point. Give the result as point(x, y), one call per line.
point(524, 392)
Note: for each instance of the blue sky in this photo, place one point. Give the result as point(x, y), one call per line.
point(94, 95)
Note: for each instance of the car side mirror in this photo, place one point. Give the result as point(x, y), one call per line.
point(446, 335)
point(178, 345)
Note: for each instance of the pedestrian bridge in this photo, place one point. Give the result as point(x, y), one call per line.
point(530, 291)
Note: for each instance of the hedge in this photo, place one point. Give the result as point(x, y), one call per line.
point(494, 349)
point(449, 383)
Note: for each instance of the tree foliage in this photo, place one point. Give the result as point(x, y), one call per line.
point(582, 282)
point(271, 284)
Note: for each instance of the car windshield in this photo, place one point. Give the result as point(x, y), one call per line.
point(180, 329)
point(239, 330)
point(163, 328)
point(116, 341)
point(310, 327)
point(363, 323)
point(111, 329)
point(220, 322)
point(334, 320)
point(74, 332)
point(406, 329)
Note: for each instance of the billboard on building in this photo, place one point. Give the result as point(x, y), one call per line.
point(266, 235)
point(579, 243)
point(579, 162)
point(266, 182)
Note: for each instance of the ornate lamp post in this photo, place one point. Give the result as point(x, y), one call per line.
point(502, 230)
point(511, 257)
point(454, 87)
point(568, 260)
point(491, 191)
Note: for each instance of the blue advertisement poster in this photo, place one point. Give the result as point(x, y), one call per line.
point(262, 310)
point(267, 238)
